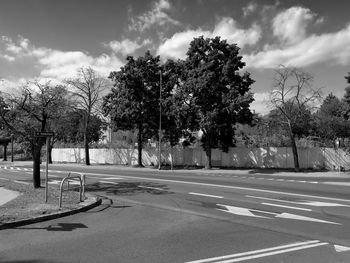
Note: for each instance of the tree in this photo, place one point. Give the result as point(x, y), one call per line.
point(293, 97)
point(131, 103)
point(331, 123)
point(38, 104)
point(87, 89)
point(69, 128)
point(215, 92)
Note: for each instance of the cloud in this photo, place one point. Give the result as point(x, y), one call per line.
point(56, 64)
point(249, 8)
point(290, 25)
point(227, 28)
point(331, 48)
point(157, 16)
point(261, 103)
point(126, 46)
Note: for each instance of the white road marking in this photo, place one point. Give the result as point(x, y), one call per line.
point(304, 218)
point(337, 183)
point(259, 251)
point(241, 211)
point(339, 248)
point(290, 207)
point(273, 253)
point(214, 196)
point(310, 203)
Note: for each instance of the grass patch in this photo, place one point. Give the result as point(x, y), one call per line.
point(31, 201)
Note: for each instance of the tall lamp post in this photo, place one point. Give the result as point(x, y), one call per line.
point(160, 121)
point(12, 138)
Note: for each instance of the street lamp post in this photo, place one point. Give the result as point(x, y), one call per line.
point(160, 120)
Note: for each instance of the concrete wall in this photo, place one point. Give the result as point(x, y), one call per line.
point(270, 157)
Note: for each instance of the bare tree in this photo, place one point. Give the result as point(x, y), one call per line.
point(31, 110)
point(87, 90)
point(293, 96)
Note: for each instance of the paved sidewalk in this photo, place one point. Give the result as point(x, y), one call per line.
point(7, 195)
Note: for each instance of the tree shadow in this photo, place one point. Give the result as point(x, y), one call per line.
point(128, 188)
point(59, 227)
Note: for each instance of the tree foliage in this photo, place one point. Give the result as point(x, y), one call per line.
point(37, 105)
point(133, 102)
point(216, 94)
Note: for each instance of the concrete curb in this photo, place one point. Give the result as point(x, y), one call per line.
point(93, 202)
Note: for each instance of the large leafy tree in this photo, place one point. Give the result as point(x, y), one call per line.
point(293, 98)
point(37, 104)
point(217, 95)
point(133, 102)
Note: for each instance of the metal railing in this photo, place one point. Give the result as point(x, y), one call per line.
point(68, 178)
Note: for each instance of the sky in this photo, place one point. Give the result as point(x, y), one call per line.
point(52, 39)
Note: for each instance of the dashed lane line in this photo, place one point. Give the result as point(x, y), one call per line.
point(214, 196)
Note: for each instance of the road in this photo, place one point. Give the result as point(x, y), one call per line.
point(193, 216)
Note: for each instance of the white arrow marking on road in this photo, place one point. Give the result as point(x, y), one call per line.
point(310, 203)
point(304, 218)
point(339, 248)
point(247, 212)
point(239, 211)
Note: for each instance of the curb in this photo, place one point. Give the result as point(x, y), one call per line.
point(97, 201)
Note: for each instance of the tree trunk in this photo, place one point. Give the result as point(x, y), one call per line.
point(36, 152)
point(295, 152)
point(139, 145)
point(86, 147)
point(5, 152)
point(86, 140)
point(208, 153)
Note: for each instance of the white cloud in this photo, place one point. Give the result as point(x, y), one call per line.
point(126, 46)
point(157, 16)
point(331, 48)
point(290, 25)
point(249, 8)
point(56, 64)
point(227, 28)
point(261, 103)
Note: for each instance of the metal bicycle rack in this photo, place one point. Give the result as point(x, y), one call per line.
point(81, 178)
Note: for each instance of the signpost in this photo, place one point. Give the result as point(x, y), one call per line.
point(47, 135)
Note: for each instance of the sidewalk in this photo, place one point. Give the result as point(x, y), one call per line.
point(7, 195)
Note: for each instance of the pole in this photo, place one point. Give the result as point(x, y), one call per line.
point(160, 121)
point(47, 168)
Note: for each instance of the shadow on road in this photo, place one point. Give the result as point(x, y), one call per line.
point(58, 227)
point(128, 188)
point(26, 261)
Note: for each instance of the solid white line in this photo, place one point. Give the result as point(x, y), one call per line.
point(256, 251)
point(273, 253)
point(214, 196)
point(223, 186)
point(290, 207)
point(106, 182)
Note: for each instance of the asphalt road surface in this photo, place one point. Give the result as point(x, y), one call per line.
point(195, 216)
